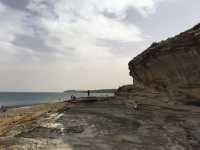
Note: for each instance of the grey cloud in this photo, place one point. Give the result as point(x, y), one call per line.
point(132, 16)
point(16, 4)
point(36, 43)
point(109, 14)
point(45, 9)
point(120, 48)
point(36, 36)
point(170, 18)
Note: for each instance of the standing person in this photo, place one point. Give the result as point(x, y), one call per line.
point(73, 97)
point(2, 109)
point(135, 106)
point(88, 93)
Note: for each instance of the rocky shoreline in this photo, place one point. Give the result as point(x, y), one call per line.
point(16, 115)
point(26, 113)
point(107, 123)
point(168, 116)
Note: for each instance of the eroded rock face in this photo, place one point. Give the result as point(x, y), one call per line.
point(172, 65)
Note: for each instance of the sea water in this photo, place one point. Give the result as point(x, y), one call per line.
point(29, 98)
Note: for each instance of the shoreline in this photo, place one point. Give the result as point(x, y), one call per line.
point(80, 99)
point(21, 114)
point(16, 115)
point(96, 122)
point(28, 105)
point(11, 100)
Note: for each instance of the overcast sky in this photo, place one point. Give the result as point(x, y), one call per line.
point(54, 45)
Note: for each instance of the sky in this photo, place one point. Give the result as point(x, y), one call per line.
point(56, 45)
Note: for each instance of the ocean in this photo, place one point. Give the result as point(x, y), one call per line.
point(29, 98)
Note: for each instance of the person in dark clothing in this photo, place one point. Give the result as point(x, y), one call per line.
point(88, 93)
point(3, 109)
point(73, 97)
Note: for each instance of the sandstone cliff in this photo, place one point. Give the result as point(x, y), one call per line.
point(171, 66)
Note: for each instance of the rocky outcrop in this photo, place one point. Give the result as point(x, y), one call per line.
point(103, 125)
point(171, 66)
point(124, 90)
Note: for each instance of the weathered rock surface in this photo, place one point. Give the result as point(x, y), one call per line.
point(171, 66)
point(105, 125)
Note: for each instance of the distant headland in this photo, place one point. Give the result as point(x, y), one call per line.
point(92, 91)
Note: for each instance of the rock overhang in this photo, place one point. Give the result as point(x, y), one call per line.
point(172, 65)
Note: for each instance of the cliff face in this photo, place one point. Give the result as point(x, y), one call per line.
point(172, 65)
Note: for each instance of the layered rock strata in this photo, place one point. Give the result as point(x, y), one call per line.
point(171, 66)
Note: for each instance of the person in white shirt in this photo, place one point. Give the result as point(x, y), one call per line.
point(135, 106)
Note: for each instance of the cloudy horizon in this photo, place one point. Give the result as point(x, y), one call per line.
point(56, 45)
